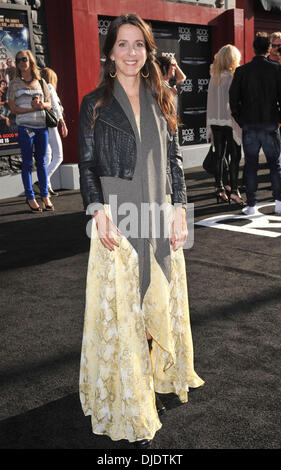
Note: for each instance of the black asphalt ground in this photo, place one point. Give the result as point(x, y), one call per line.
point(234, 281)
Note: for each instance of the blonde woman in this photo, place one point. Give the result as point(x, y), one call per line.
point(54, 151)
point(225, 134)
point(28, 101)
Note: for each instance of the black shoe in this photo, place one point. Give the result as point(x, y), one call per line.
point(236, 198)
point(221, 195)
point(52, 192)
point(159, 405)
point(46, 207)
point(33, 209)
point(143, 444)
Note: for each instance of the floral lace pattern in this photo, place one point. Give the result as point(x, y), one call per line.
point(118, 376)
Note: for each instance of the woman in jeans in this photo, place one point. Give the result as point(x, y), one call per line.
point(28, 101)
point(54, 150)
point(225, 134)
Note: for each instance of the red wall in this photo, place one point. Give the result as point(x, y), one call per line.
point(249, 26)
point(74, 43)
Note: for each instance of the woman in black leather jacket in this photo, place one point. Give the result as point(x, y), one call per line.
point(137, 337)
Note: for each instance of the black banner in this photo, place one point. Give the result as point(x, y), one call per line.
point(190, 45)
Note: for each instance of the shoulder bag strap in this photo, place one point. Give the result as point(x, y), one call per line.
point(41, 83)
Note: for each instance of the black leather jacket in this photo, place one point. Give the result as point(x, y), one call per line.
point(255, 92)
point(109, 149)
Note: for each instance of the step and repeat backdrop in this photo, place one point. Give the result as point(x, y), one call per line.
point(190, 45)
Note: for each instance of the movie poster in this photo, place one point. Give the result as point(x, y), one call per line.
point(14, 36)
point(190, 45)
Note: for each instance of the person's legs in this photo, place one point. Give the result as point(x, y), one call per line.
point(26, 145)
point(251, 146)
point(219, 144)
point(271, 147)
point(55, 147)
point(41, 143)
point(48, 155)
point(235, 157)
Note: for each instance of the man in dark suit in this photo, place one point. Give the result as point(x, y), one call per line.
point(255, 102)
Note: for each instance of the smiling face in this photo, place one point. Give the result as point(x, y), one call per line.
point(129, 51)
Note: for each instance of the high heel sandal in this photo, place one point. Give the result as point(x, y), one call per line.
point(33, 209)
point(46, 207)
point(221, 195)
point(240, 201)
point(52, 192)
point(159, 405)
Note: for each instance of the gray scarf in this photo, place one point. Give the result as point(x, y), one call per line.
point(149, 181)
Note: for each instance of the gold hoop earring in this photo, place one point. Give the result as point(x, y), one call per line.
point(145, 76)
point(113, 74)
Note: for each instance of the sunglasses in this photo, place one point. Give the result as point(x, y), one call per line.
point(21, 59)
point(275, 45)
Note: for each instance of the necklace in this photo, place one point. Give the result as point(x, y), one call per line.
point(27, 81)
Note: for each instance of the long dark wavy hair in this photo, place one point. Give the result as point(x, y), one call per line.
point(154, 81)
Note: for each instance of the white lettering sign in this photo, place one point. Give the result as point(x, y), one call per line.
point(256, 223)
point(202, 35)
point(186, 86)
point(103, 26)
point(168, 54)
point(203, 84)
point(184, 33)
point(187, 135)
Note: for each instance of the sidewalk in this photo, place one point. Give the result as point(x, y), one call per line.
point(234, 291)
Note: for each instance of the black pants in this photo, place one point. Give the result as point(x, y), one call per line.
point(225, 146)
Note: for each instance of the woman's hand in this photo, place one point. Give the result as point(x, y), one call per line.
point(64, 130)
point(36, 104)
point(106, 229)
point(179, 229)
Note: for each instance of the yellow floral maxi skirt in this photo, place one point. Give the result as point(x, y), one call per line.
point(118, 376)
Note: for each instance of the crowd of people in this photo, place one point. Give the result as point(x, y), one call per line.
point(22, 95)
point(243, 109)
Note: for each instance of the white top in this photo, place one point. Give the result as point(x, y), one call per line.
point(218, 109)
point(55, 101)
point(22, 94)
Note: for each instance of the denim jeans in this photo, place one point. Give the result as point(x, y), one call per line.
point(266, 137)
point(225, 146)
point(29, 137)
